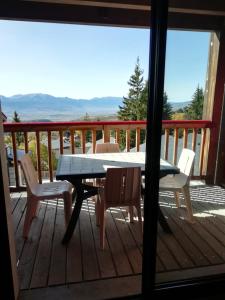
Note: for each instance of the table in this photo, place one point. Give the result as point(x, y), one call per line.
point(76, 167)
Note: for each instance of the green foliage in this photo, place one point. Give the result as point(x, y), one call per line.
point(135, 104)
point(178, 115)
point(44, 156)
point(167, 108)
point(88, 132)
point(132, 104)
point(194, 110)
point(19, 135)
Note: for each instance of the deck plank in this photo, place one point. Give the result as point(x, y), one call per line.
point(186, 240)
point(74, 257)
point(120, 258)
point(197, 238)
point(18, 211)
point(28, 256)
point(106, 264)
point(191, 249)
point(57, 272)
point(89, 257)
point(165, 256)
point(43, 257)
point(129, 244)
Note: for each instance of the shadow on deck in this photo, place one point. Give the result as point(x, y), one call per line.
point(192, 250)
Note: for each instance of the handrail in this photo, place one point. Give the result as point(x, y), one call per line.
point(29, 126)
point(134, 131)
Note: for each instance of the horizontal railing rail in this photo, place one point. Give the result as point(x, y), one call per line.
point(130, 135)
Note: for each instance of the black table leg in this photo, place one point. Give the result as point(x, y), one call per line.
point(76, 212)
point(163, 222)
point(82, 192)
point(161, 218)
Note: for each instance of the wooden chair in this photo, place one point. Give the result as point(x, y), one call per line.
point(107, 148)
point(122, 188)
point(180, 182)
point(37, 192)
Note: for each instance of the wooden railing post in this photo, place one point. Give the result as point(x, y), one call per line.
point(72, 141)
point(50, 156)
point(38, 155)
point(106, 134)
point(83, 141)
point(93, 140)
point(166, 144)
point(175, 145)
point(15, 159)
point(61, 141)
point(138, 135)
point(117, 126)
point(128, 140)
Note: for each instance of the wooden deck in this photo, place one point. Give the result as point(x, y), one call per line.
point(192, 250)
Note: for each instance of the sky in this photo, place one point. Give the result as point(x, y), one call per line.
point(83, 62)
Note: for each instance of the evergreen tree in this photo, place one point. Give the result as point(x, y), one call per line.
point(194, 110)
point(167, 108)
point(88, 132)
point(19, 135)
point(131, 104)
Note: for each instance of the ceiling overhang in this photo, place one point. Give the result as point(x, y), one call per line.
point(184, 14)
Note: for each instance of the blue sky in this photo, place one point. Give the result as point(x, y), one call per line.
point(87, 61)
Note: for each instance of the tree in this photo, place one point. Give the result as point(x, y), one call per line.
point(131, 109)
point(44, 156)
point(19, 135)
point(167, 108)
point(194, 110)
point(88, 132)
point(135, 104)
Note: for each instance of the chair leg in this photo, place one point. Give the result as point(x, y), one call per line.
point(176, 196)
point(67, 198)
point(138, 208)
point(97, 210)
point(31, 206)
point(102, 225)
point(35, 208)
point(187, 198)
point(131, 213)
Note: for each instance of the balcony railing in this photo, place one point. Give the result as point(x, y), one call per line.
point(130, 135)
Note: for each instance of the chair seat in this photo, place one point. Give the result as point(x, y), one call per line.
point(173, 182)
point(49, 189)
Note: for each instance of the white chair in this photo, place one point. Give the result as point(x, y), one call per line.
point(45, 191)
point(180, 182)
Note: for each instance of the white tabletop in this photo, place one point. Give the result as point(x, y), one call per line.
point(96, 165)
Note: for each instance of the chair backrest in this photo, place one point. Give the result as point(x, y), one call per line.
point(107, 148)
point(186, 161)
point(122, 186)
point(29, 172)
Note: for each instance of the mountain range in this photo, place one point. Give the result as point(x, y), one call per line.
point(43, 107)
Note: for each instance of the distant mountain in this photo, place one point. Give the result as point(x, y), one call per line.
point(178, 105)
point(43, 107)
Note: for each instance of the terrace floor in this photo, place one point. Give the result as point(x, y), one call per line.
point(192, 250)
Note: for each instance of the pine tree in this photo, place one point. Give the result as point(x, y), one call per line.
point(195, 109)
point(88, 132)
point(19, 135)
point(131, 104)
point(167, 108)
